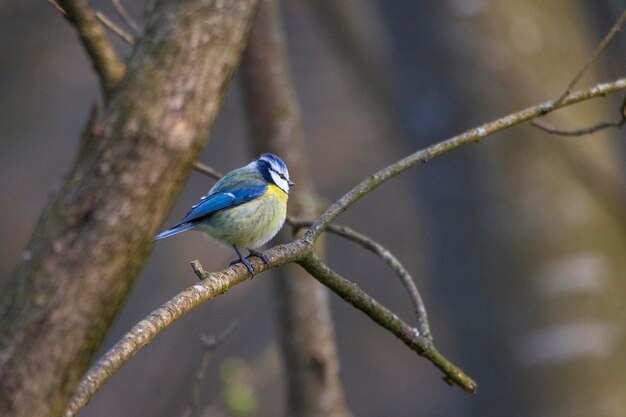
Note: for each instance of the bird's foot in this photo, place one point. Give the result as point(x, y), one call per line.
point(245, 262)
point(260, 255)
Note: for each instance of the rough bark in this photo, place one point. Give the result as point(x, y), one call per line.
point(307, 334)
point(96, 232)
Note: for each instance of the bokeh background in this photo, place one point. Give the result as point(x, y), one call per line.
point(517, 243)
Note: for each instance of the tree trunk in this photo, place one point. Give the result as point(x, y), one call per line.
point(96, 233)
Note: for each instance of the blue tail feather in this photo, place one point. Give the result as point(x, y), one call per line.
point(174, 230)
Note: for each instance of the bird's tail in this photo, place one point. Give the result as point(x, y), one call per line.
point(174, 230)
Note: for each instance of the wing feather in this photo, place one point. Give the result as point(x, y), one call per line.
point(221, 200)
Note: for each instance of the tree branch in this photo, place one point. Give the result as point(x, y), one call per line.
point(585, 131)
point(300, 251)
point(121, 33)
point(209, 344)
point(212, 285)
point(596, 53)
point(471, 136)
point(207, 170)
point(410, 336)
point(125, 16)
point(389, 258)
point(107, 64)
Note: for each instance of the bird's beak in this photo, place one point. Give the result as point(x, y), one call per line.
point(291, 183)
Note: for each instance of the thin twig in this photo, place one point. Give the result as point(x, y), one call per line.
point(219, 282)
point(207, 170)
point(390, 259)
point(585, 131)
point(596, 53)
point(471, 136)
point(125, 16)
point(121, 33)
point(553, 130)
point(210, 344)
point(411, 337)
point(109, 67)
point(56, 6)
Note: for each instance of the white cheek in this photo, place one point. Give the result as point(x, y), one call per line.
point(283, 184)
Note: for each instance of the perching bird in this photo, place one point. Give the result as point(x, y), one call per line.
point(245, 209)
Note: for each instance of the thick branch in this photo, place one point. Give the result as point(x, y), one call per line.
point(411, 337)
point(471, 136)
point(212, 285)
point(108, 66)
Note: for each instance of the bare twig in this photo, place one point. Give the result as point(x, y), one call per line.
point(56, 6)
point(125, 16)
point(121, 33)
point(596, 53)
point(553, 130)
point(219, 282)
point(410, 336)
point(389, 258)
point(588, 130)
point(108, 66)
point(210, 344)
point(207, 170)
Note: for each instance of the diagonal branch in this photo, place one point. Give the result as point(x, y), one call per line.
point(410, 336)
point(389, 258)
point(210, 344)
point(212, 285)
point(471, 136)
point(596, 53)
point(108, 66)
point(121, 33)
point(125, 16)
point(207, 170)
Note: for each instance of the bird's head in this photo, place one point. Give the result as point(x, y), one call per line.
point(274, 170)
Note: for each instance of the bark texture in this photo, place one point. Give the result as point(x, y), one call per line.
point(307, 334)
point(96, 232)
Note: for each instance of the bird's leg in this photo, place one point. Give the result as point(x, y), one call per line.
point(261, 255)
point(242, 260)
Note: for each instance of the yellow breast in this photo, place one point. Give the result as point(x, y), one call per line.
point(276, 191)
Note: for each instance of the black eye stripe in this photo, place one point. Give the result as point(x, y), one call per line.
point(278, 173)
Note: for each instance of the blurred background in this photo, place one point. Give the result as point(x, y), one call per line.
point(517, 243)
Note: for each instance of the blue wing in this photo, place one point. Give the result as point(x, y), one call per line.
point(212, 203)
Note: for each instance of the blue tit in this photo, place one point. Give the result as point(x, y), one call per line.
point(245, 209)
